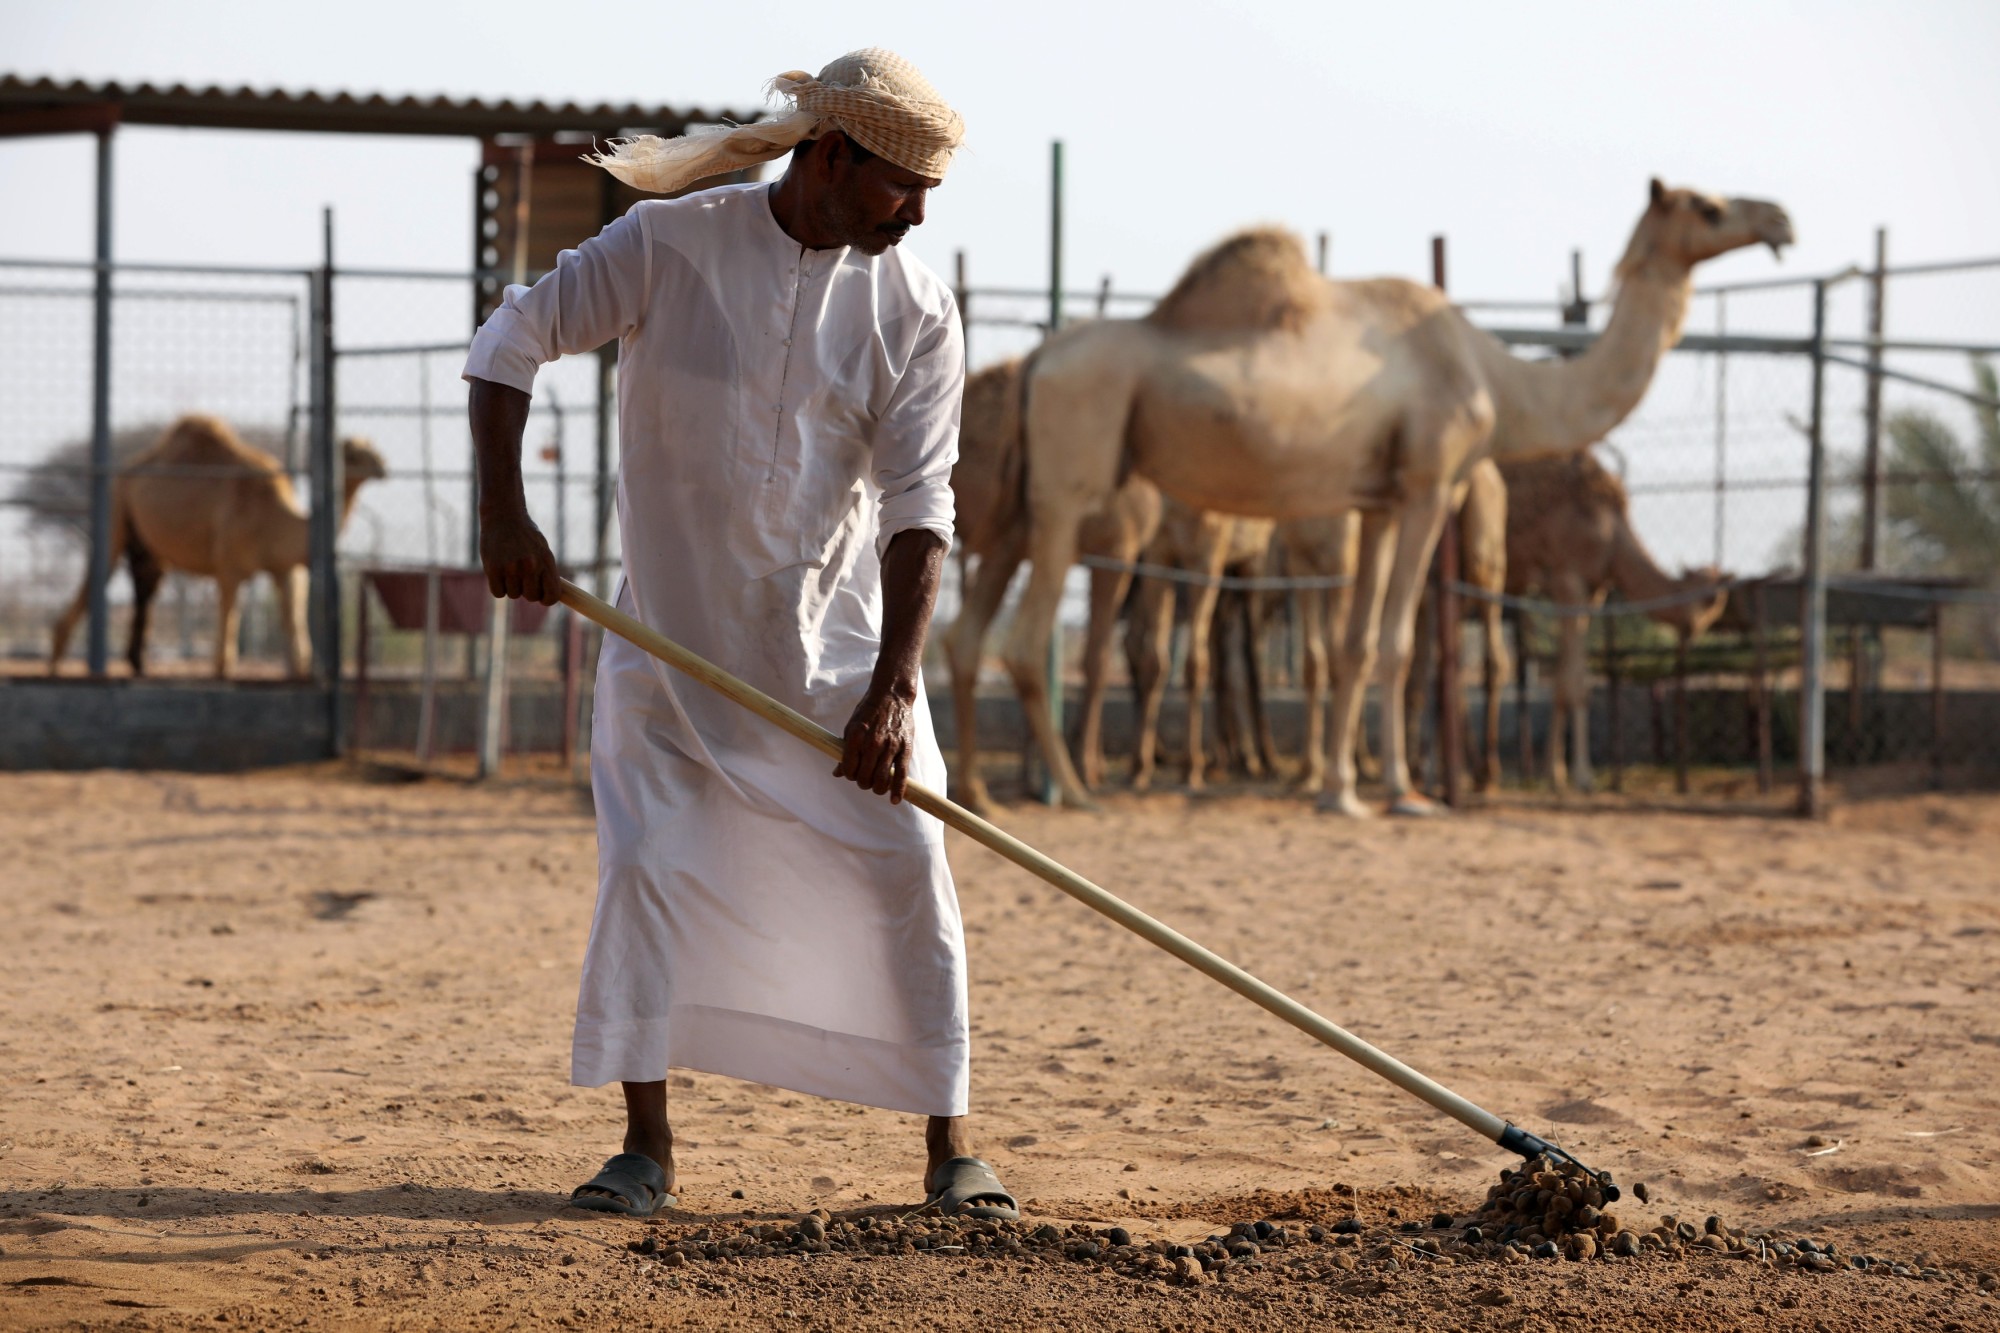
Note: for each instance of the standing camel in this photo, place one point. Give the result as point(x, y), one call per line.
point(988, 490)
point(202, 501)
point(1571, 540)
point(1258, 387)
point(1207, 544)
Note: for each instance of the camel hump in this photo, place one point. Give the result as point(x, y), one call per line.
point(199, 440)
point(1254, 281)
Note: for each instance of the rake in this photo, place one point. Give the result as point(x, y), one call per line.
point(1483, 1122)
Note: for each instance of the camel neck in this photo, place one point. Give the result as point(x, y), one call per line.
point(1634, 572)
point(1567, 406)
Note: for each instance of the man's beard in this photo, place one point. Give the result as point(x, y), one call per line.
point(846, 221)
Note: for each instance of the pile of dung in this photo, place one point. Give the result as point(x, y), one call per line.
point(1542, 1210)
point(1555, 1208)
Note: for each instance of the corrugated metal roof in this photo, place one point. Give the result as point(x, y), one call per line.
point(345, 113)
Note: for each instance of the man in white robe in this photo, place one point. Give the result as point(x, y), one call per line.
point(788, 397)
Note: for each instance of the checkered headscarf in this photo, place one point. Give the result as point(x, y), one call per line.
point(878, 98)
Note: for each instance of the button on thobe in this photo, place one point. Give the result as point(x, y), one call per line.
point(783, 413)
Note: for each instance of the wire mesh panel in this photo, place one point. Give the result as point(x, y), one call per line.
point(402, 340)
point(226, 343)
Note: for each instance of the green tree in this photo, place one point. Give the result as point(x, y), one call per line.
point(1941, 497)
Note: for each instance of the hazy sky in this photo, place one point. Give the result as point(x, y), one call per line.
point(1519, 130)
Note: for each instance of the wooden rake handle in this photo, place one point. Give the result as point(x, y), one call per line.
point(1076, 886)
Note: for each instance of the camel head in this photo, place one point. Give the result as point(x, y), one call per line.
point(1697, 618)
point(360, 461)
point(1682, 227)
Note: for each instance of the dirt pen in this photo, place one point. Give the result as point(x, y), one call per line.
point(292, 1052)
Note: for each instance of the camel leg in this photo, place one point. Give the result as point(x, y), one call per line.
point(1312, 603)
point(1360, 636)
point(1229, 630)
point(1416, 539)
point(1573, 695)
point(1499, 669)
point(292, 599)
point(67, 622)
point(146, 573)
point(1417, 687)
point(1210, 555)
point(228, 620)
point(1149, 639)
point(1107, 594)
point(1052, 550)
point(1253, 681)
point(963, 647)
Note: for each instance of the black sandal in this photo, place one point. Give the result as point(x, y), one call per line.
point(633, 1184)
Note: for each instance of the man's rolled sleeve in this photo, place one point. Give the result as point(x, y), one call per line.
point(916, 442)
point(595, 293)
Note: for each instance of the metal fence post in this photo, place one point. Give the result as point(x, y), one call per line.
point(99, 643)
point(323, 528)
point(1444, 585)
point(1812, 617)
point(1051, 792)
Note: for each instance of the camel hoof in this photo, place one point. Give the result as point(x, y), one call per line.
point(1412, 806)
point(1346, 804)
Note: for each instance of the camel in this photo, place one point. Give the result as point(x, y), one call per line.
point(1209, 545)
point(202, 501)
point(1571, 540)
point(988, 491)
point(1259, 388)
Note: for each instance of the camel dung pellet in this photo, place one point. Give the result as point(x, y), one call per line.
point(1118, 1236)
point(1546, 1250)
point(1712, 1241)
point(1625, 1245)
point(1580, 1246)
point(1187, 1269)
point(1587, 1216)
point(1713, 1226)
point(1685, 1231)
point(1640, 1192)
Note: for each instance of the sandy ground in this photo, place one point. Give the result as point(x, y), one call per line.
point(290, 1050)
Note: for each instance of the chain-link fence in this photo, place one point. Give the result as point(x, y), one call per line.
point(399, 354)
point(1715, 467)
point(225, 342)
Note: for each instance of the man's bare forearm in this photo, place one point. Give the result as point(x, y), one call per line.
point(499, 415)
point(511, 547)
point(912, 569)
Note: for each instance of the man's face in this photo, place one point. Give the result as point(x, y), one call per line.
point(870, 204)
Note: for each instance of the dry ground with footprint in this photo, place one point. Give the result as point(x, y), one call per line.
point(290, 1050)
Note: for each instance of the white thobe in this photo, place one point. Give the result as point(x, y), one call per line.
point(782, 413)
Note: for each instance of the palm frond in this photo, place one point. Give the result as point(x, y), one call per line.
point(1935, 494)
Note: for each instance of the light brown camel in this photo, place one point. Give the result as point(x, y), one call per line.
point(1571, 541)
point(988, 489)
point(202, 501)
point(1208, 545)
point(1259, 388)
